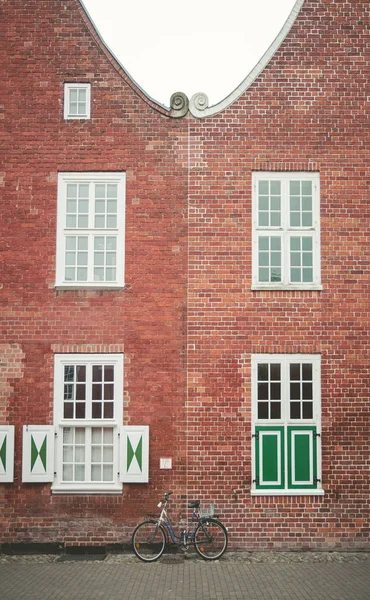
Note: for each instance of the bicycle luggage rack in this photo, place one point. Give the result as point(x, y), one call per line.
point(207, 511)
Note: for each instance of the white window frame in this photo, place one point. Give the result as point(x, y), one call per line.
point(285, 421)
point(285, 231)
point(68, 87)
point(89, 233)
point(91, 487)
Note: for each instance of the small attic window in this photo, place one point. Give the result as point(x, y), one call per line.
point(77, 100)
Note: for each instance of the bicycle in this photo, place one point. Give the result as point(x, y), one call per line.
point(205, 532)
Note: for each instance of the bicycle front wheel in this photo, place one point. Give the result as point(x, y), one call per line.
point(210, 539)
point(148, 541)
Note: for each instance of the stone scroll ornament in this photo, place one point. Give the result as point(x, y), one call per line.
point(199, 101)
point(179, 105)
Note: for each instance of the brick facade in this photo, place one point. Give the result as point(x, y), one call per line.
point(187, 320)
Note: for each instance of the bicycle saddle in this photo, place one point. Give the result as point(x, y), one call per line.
point(195, 504)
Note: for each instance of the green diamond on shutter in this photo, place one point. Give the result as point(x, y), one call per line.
point(35, 453)
point(138, 453)
point(3, 453)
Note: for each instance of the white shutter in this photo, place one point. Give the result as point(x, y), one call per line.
point(38, 453)
point(134, 454)
point(6, 453)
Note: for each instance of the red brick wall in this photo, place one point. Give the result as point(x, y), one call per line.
point(305, 112)
point(49, 42)
point(188, 273)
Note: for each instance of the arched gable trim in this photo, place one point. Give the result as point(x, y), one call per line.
point(199, 102)
point(116, 63)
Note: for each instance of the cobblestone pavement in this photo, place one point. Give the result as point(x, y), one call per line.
point(245, 576)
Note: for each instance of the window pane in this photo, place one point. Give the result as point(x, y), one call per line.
point(295, 220)
point(263, 391)
point(307, 244)
point(68, 410)
point(80, 473)
point(100, 190)
point(295, 410)
point(306, 219)
point(275, 219)
point(307, 391)
point(112, 190)
point(275, 371)
point(82, 243)
point(263, 275)
point(263, 187)
point(263, 243)
point(263, 372)
point(275, 410)
point(107, 473)
point(275, 187)
point(108, 435)
point(80, 391)
point(96, 454)
point(67, 454)
point(81, 274)
point(96, 435)
point(295, 372)
point(108, 392)
point(96, 410)
point(108, 410)
point(80, 410)
point(111, 221)
point(307, 188)
point(307, 410)
point(67, 435)
point(307, 371)
point(275, 275)
point(275, 391)
point(263, 219)
point(263, 410)
point(97, 373)
point(99, 222)
point(81, 372)
point(80, 454)
point(97, 391)
point(295, 188)
point(307, 275)
point(99, 258)
point(68, 392)
point(109, 373)
point(67, 473)
point(110, 274)
point(96, 473)
point(108, 454)
point(295, 391)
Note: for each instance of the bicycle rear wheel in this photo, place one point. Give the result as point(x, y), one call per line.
point(148, 541)
point(210, 539)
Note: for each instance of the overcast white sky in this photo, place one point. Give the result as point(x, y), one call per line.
point(191, 46)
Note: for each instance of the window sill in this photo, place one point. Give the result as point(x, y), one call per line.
point(274, 288)
point(303, 492)
point(83, 490)
point(67, 287)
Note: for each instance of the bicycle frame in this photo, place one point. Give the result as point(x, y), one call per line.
point(187, 535)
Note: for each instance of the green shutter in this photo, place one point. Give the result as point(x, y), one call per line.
point(302, 457)
point(269, 458)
